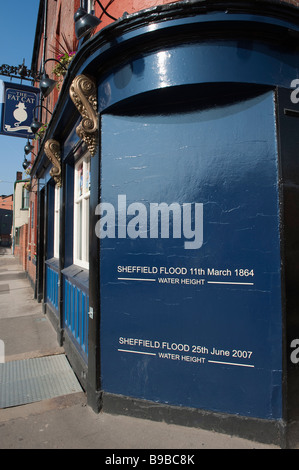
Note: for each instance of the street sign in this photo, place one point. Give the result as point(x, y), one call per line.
point(17, 106)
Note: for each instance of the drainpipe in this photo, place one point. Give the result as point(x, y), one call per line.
point(45, 32)
point(13, 223)
point(45, 43)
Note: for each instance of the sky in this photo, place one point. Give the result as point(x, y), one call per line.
point(17, 31)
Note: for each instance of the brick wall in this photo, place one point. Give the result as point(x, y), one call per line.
point(6, 202)
point(60, 28)
point(117, 8)
point(31, 269)
point(20, 250)
point(32, 233)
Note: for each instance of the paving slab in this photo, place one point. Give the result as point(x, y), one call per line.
point(68, 423)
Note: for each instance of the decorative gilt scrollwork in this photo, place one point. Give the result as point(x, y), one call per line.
point(52, 150)
point(84, 96)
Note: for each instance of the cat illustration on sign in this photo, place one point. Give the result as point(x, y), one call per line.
point(20, 114)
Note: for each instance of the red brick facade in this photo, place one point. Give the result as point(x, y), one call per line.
point(6, 202)
point(117, 9)
point(21, 250)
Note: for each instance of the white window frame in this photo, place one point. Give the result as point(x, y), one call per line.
point(81, 212)
point(25, 198)
point(56, 221)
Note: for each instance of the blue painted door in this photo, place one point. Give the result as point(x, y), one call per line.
point(192, 325)
point(76, 305)
point(52, 288)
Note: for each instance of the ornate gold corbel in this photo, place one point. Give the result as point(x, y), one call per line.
point(52, 150)
point(83, 93)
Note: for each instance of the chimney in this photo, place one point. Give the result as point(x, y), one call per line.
point(19, 176)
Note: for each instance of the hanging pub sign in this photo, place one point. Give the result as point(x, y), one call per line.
point(17, 106)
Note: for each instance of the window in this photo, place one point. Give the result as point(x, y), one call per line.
point(25, 198)
point(17, 236)
point(81, 212)
point(56, 221)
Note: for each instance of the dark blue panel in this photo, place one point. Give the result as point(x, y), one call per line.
point(160, 328)
point(50, 221)
point(52, 288)
point(76, 315)
point(203, 62)
point(69, 214)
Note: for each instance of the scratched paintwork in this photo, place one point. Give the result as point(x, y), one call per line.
point(226, 158)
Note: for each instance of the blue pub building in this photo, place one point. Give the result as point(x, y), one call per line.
point(169, 233)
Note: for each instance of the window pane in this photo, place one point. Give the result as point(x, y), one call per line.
point(79, 180)
point(79, 230)
point(86, 228)
point(81, 212)
point(87, 177)
point(25, 204)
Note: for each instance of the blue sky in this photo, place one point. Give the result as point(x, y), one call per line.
point(17, 31)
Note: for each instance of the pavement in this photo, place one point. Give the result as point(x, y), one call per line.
point(66, 421)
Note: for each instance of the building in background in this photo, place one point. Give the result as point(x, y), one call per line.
point(20, 220)
point(6, 202)
point(6, 213)
point(163, 202)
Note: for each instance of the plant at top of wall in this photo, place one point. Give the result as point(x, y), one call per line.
point(64, 53)
point(64, 61)
point(27, 185)
point(41, 132)
point(28, 170)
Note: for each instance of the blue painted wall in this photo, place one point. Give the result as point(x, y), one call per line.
point(52, 287)
point(76, 305)
point(224, 157)
point(50, 220)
